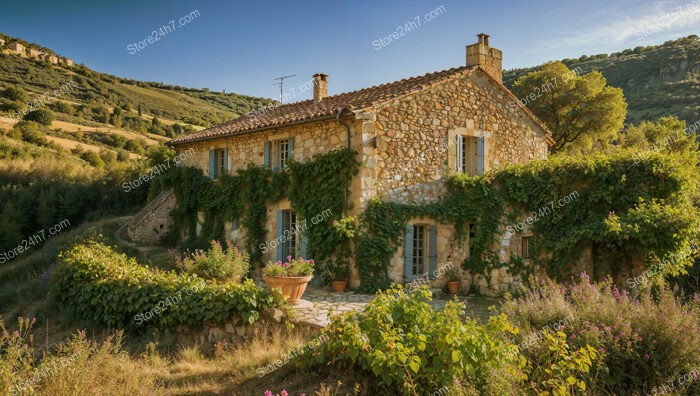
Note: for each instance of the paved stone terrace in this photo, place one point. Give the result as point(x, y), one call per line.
point(317, 303)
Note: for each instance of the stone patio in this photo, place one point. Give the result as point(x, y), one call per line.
point(317, 303)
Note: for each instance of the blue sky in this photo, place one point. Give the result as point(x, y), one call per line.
point(241, 46)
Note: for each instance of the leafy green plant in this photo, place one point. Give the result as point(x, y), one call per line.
point(111, 289)
point(406, 347)
point(216, 264)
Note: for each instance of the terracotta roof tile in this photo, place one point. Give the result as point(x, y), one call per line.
point(327, 107)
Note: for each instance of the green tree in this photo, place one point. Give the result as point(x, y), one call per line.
point(93, 159)
point(40, 116)
point(10, 230)
point(16, 94)
point(668, 134)
point(582, 111)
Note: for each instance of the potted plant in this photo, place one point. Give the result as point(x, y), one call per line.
point(338, 272)
point(453, 280)
point(290, 277)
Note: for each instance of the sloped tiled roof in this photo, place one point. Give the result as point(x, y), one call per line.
point(330, 106)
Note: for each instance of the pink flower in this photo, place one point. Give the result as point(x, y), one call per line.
point(601, 350)
point(289, 258)
point(284, 393)
point(646, 357)
point(653, 341)
point(573, 336)
point(279, 263)
point(607, 328)
point(616, 294)
point(268, 393)
point(311, 261)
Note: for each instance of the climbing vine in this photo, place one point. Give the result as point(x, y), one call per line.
point(625, 209)
point(313, 186)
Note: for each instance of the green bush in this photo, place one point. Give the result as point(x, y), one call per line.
point(113, 290)
point(92, 158)
point(406, 347)
point(40, 116)
point(15, 93)
point(31, 132)
point(215, 264)
point(643, 340)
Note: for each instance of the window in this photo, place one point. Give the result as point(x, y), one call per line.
point(471, 156)
point(289, 229)
point(526, 247)
point(218, 163)
point(418, 250)
point(278, 153)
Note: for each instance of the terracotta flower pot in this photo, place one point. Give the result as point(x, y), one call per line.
point(339, 285)
point(453, 287)
point(292, 287)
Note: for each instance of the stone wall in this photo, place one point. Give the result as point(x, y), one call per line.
point(415, 135)
point(153, 221)
point(231, 330)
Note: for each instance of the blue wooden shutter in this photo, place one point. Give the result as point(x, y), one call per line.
point(226, 162)
point(432, 251)
point(212, 164)
point(266, 158)
point(460, 153)
point(480, 155)
point(280, 232)
point(304, 243)
point(408, 253)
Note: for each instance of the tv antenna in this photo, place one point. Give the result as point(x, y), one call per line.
point(281, 85)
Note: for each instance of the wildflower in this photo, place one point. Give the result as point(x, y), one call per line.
point(279, 263)
point(284, 393)
point(268, 393)
point(611, 213)
point(653, 341)
point(289, 258)
point(646, 357)
point(601, 350)
point(616, 294)
point(573, 336)
point(606, 328)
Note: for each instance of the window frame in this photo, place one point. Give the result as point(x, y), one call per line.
point(526, 247)
point(419, 255)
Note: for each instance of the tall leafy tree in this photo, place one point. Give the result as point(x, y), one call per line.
point(582, 111)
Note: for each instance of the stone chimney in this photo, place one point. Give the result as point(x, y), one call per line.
point(320, 86)
point(490, 59)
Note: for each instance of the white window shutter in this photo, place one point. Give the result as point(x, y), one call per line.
point(460, 153)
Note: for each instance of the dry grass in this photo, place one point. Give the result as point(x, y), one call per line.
point(80, 366)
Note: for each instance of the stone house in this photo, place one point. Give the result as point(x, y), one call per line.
point(17, 48)
point(409, 135)
point(53, 59)
point(66, 61)
point(35, 53)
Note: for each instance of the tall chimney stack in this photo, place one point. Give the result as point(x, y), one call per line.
point(483, 55)
point(320, 86)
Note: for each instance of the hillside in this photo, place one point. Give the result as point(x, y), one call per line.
point(657, 80)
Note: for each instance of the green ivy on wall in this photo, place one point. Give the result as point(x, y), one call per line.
point(625, 210)
point(312, 186)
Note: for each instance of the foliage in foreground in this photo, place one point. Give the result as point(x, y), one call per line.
point(78, 367)
point(644, 341)
point(113, 290)
point(407, 347)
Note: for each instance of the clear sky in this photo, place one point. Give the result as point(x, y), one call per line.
point(241, 46)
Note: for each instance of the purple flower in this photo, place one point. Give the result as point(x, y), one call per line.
point(289, 258)
point(616, 294)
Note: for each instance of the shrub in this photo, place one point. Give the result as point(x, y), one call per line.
point(40, 116)
point(92, 158)
point(31, 132)
point(111, 289)
point(215, 264)
point(643, 341)
point(291, 267)
point(406, 347)
point(16, 94)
